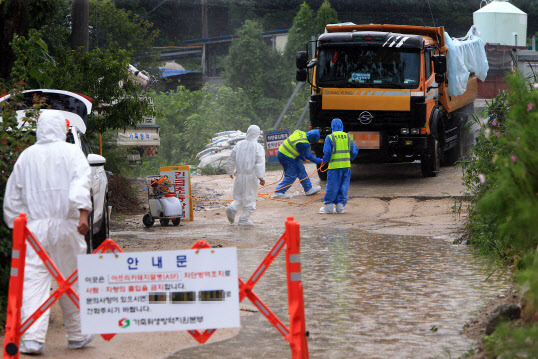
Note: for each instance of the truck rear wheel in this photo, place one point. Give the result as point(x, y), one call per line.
point(430, 161)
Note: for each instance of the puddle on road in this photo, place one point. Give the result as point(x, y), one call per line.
point(366, 296)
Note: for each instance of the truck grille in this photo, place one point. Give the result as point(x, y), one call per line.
point(379, 119)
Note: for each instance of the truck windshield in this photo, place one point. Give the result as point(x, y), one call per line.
point(358, 66)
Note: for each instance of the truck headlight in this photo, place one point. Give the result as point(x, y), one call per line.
point(415, 131)
point(405, 131)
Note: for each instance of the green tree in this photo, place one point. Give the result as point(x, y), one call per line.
point(99, 74)
point(17, 17)
point(325, 15)
point(245, 59)
point(253, 66)
point(188, 119)
point(301, 31)
point(113, 27)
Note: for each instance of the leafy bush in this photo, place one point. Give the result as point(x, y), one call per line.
point(100, 74)
point(13, 140)
point(514, 199)
point(502, 178)
point(188, 119)
point(481, 170)
point(528, 278)
point(208, 170)
point(508, 342)
point(502, 175)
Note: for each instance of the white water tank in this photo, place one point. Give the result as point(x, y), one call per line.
point(500, 22)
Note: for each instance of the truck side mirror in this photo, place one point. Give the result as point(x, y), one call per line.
point(302, 75)
point(301, 60)
point(439, 64)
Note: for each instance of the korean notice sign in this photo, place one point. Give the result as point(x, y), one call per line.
point(159, 291)
point(273, 140)
point(181, 177)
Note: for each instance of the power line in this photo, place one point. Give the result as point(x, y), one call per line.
point(155, 8)
point(431, 12)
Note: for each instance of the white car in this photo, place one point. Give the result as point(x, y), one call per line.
point(75, 108)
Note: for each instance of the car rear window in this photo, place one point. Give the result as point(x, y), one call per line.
point(55, 101)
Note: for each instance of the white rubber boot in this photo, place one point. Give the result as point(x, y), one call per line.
point(327, 209)
point(230, 214)
point(31, 347)
point(79, 344)
point(340, 208)
point(313, 190)
point(281, 195)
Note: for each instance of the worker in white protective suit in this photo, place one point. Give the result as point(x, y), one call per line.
point(51, 184)
point(247, 162)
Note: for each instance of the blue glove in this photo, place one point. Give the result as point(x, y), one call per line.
point(319, 161)
point(302, 158)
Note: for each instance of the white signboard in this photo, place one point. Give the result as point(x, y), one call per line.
point(159, 291)
point(139, 137)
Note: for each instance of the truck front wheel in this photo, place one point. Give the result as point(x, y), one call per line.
point(430, 161)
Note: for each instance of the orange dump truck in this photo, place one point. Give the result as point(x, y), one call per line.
point(389, 86)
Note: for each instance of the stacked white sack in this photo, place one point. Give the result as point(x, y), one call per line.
point(219, 148)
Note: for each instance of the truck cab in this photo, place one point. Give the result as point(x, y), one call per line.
point(387, 83)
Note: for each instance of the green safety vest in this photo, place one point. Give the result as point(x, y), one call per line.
point(289, 147)
point(340, 157)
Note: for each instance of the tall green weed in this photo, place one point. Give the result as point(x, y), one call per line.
point(502, 178)
point(502, 174)
point(481, 169)
point(514, 198)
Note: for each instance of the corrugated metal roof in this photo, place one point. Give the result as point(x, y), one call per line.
point(174, 72)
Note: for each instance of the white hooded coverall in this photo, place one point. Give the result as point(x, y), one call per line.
point(50, 183)
point(247, 160)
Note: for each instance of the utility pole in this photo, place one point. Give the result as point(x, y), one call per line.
point(205, 34)
point(80, 18)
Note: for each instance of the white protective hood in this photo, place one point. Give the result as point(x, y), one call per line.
point(51, 128)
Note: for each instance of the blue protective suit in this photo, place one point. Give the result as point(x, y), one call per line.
point(337, 179)
point(294, 168)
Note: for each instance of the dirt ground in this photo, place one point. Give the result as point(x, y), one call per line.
point(384, 199)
